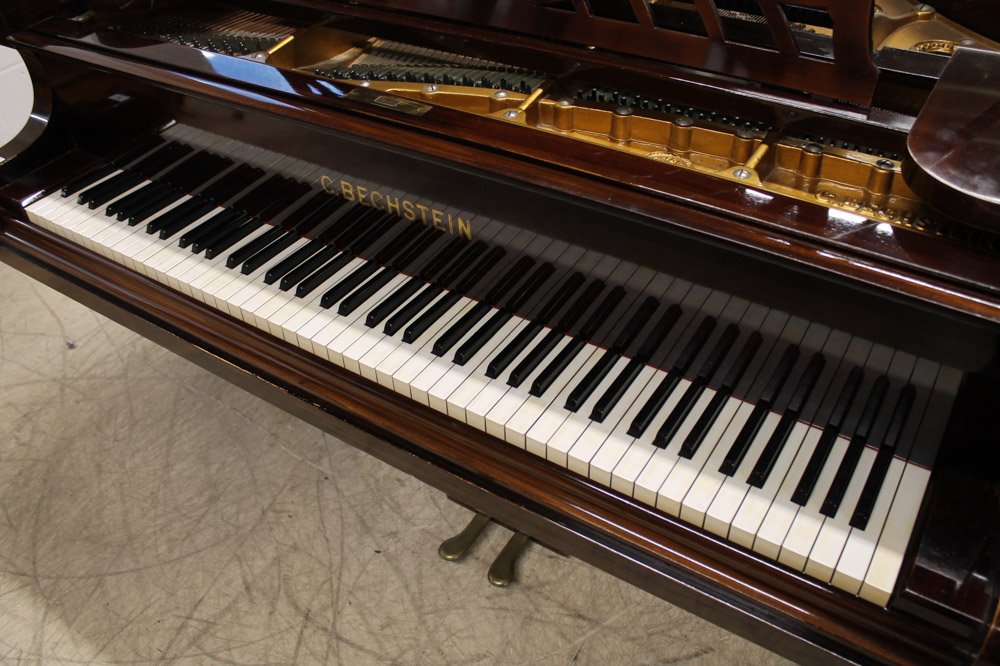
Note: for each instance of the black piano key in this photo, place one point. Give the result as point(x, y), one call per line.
point(322, 274)
point(548, 375)
point(160, 159)
point(740, 447)
point(109, 189)
point(220, 233)
point(401, 241)
point(516, 271)
point(580, 305)
point(87, 179)
point(460, 328)
point(378, 229)
point(705, 422)
point(290, 262)
point(533, 358)
point(307, 268)
point(231, 184)
point(741, 363)
point(476, 341)
point(680, 412)
point(366, 291)
point(195, 171)
point(230, 238)
point(507, 355)
point(876, 477)
point(348, 284)
point(152, 208)
point(655, 402)
point(219, 220)
point(635, 323)
point(269, 253)
point(403, 316)
point(322, 219)
point(560, 297)
point(707, 419)
point(659, 333)
point(393, 301)
point(433, 313)
point(349, 228)
point(529, 287)
point(156, 199)
point(404, 262)
point(822, 451)
point(718, 353)
point(750, 429)
point(613, 395)
point(449, 277)
point(758, 476)
point(183, 215)
point(780, 376)
point(139, 197)
point(589, 383)
point(436, 264)
point(253, 247)
point(854, 450)
point(482, 268)
point(775, 444)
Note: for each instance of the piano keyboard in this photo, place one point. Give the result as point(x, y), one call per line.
point(806, 445)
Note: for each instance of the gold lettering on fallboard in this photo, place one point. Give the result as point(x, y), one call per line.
point(436, 216)
point(423, 212)
point(392, 204)
point(408, 210)
point(346, 191)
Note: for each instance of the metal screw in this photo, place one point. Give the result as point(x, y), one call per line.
point(511, 113)
point(885, 164)
point(501, 94)
point(742, 174)
point(814, 148)
point(364, 84)
point(431, 88)
point(683, 121)
point(624, 111)
point(746, 133)
point(565, 101)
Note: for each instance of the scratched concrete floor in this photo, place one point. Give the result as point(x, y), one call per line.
point(152, 513)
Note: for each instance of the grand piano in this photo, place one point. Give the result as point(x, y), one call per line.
point(705, 294)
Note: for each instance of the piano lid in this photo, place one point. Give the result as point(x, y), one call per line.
point(816, 46)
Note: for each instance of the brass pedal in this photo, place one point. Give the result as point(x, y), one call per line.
point(457, 546)
point(501, 571)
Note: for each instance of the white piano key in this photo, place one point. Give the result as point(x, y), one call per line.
point(833, 534)
point(808, 520)
point(406, 361)
point(686, 470)
point(539, 418)
point(510, 401)
point(734, 488)
point(594, 438)
point(880, 580)
point(700, 496)
point(618, 441)
point(774, 528)
point(758, 501)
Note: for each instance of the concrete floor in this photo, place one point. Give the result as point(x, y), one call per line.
point(152, 513)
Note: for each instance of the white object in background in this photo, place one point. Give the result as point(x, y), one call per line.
point(16, 96)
